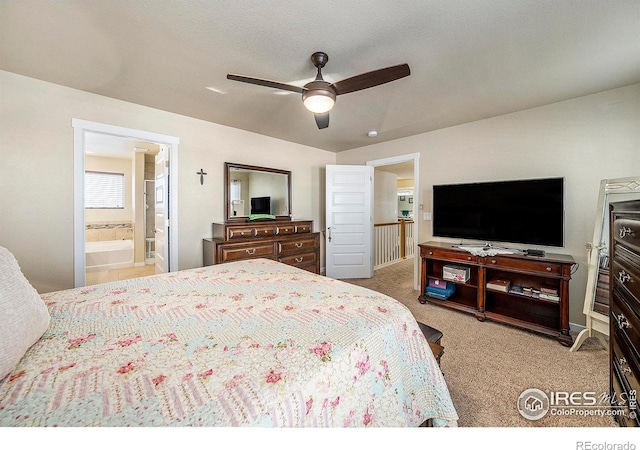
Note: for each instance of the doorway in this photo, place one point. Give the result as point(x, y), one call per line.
point(405, 167)
point(84, 132)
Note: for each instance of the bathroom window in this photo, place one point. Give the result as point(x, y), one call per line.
point(103, 190)
point(236, 190)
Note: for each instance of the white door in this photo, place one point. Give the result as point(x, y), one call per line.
point(162, 210)
point(349, 221)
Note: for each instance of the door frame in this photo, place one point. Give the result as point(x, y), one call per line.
point(415, 158)
point(80, 128)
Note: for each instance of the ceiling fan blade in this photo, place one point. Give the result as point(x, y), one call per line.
point(267, 83)
point(322, 120)
point(371, 79)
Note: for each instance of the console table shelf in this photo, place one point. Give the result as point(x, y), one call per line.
point(549, 317)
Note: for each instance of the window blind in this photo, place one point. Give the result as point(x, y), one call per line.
point(236, 190)
point(103, 190)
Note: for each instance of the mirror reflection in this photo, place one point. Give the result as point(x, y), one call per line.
point(257, 190)
point(405, 204)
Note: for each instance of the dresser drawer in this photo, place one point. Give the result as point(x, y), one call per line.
point(627, 275)
point(296, 246)
point(303, 228)
point(240, 233)
point(286, 229)
point(620, 401)
point(265, 231)
point(626, 366)
point(248, 251)
point(449, 255)
point(625, 321)
point(304, 259)
point(627, 232)
point(523, 264)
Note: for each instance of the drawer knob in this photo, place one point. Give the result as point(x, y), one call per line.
point(250, 252)
point(622, 321)
point(299, 260)
point(623, 276)
point(242, 233)
point(493, 261)
point(549, 269)
point(624, 231)
point(468, 258)
point(431, 253)
point(299, 244)
point(622, 361)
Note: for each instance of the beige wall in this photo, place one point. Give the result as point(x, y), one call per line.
point(36, 172)
point(583, 140)
point(385, 208)
point(405, 184)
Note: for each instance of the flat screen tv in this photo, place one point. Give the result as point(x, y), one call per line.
point(261, 205)
point(518, 211)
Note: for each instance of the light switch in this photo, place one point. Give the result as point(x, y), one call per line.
point(426, 216)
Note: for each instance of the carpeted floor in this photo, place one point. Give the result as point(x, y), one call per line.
point(487, 365)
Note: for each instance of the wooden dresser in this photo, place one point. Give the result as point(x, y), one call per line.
point(624, 305)
point(289, 241)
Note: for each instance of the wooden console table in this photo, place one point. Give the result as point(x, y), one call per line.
point(543, 316)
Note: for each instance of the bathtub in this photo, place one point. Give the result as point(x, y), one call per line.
point(106, 255)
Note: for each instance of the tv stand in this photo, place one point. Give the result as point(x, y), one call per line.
point(549, 317)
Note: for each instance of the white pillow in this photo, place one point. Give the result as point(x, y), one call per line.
point(23, 315)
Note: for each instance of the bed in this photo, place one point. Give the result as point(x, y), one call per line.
point(251, 343)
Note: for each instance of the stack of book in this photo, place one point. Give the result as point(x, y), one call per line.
point(525, 291)
point(549, 293)
point(439, 289)
point(499, 285)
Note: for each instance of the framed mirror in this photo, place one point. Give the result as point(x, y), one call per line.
point(256, 190)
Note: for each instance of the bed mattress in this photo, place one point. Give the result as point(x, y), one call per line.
point(250, 343)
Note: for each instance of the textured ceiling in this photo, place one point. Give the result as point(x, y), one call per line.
point(469, 59)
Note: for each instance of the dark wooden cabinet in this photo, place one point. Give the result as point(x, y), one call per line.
point(290, 242)
point(549, 317)
point(624, 307)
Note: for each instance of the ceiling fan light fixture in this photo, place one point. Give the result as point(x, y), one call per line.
point(318, 101)
point(319, 96)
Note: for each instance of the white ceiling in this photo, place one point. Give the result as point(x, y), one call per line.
point(404, 170)
point(469, 59)
point(98, 144)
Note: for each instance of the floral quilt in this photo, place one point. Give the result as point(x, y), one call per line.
point(252, 343)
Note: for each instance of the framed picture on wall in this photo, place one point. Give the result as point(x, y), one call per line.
point(410, 199)
point(402, 198)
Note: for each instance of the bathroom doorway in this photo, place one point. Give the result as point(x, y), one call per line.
point(118, 242)
point(139, 146)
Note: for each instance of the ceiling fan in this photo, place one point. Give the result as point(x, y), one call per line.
point(319, 95)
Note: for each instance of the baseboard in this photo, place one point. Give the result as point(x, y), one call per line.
point(575, 327)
